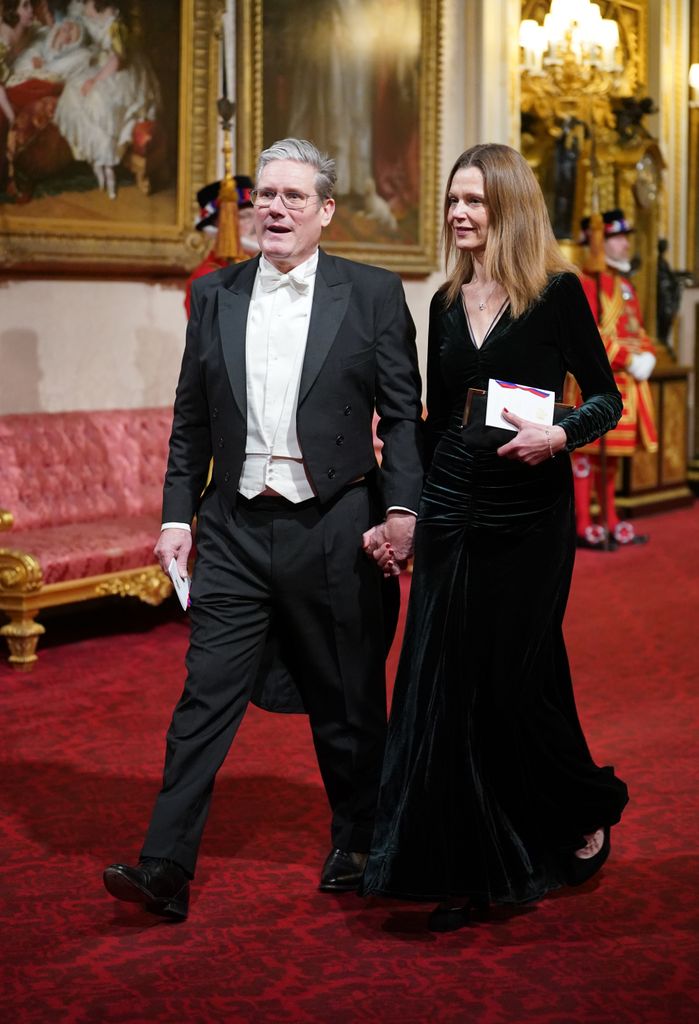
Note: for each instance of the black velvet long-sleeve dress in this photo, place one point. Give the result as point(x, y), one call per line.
point(488, 784)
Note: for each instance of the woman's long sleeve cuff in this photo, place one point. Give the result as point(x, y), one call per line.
point(597, 415)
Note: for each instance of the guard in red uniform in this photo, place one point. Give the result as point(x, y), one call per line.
point(207, 221)
point(616, 308)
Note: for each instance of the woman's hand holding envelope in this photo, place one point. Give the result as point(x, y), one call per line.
point(533, 443)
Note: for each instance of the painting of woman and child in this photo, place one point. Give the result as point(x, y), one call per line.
point(89, 115)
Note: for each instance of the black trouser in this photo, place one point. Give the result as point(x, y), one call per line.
point(302, 567)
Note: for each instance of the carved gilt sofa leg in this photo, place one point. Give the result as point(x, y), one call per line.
point(20, 579)
point(22, 635)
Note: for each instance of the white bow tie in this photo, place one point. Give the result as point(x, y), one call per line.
point(271, 278)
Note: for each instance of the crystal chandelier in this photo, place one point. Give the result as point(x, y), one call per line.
point(573, 31)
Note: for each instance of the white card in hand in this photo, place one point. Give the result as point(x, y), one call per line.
point(533, 404)
point(181, 585)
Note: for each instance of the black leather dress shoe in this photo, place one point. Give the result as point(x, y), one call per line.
point(342, 871)
point(161, 886)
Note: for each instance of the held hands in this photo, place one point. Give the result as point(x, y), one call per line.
point(173, 543)
point(532, 443)
point(390, 543)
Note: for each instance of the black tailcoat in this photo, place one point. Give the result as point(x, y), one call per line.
point(360, 358)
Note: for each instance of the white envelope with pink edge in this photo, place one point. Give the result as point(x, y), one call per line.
point(530, 403)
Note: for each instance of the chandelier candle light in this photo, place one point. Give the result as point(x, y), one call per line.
point(572, 27)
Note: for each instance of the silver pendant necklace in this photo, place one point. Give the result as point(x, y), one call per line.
point(484, 304)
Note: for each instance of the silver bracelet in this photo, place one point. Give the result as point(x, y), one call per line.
point(548, 438)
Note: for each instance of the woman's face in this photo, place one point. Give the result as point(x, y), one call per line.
point(25, 13)
point(467, 213)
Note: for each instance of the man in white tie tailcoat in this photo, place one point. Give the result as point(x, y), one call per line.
point(287, 357)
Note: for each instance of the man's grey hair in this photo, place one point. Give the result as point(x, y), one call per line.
point(303, 152)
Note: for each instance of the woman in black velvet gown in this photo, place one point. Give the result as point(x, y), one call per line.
point(489, 792)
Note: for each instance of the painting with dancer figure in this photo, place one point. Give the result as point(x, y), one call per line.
point(359, 78)
point(95, 108)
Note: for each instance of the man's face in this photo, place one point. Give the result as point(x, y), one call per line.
point(288, 238)
point(617, 247)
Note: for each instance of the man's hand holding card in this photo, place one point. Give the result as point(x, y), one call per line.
point(181, 585)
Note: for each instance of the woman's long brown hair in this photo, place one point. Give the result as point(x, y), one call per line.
point(521, 252)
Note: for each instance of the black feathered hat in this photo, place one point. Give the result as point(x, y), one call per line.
point(614, 222)
point(207, 197)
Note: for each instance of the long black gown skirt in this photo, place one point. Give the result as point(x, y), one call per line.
point(488, 784)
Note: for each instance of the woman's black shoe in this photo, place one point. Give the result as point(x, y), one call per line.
point(579, 870)
point(449, 917)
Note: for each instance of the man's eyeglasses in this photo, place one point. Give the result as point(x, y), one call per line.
point(292, 200)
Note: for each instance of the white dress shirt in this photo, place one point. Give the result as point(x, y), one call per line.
point(275, 345)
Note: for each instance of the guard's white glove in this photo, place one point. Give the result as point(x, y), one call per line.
point(641, 364)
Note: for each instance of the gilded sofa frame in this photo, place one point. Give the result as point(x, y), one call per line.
point(23, 594)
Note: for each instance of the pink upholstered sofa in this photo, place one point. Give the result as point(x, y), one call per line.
point(80, 500)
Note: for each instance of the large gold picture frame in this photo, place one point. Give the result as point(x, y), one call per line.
point(360, 79)
point(148, 228)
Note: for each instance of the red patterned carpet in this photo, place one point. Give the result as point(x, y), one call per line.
point(81, 764)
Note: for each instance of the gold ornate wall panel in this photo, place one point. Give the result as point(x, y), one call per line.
point(585, 129)
point(650, 482)
point(644, 471)
point(673, 467)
